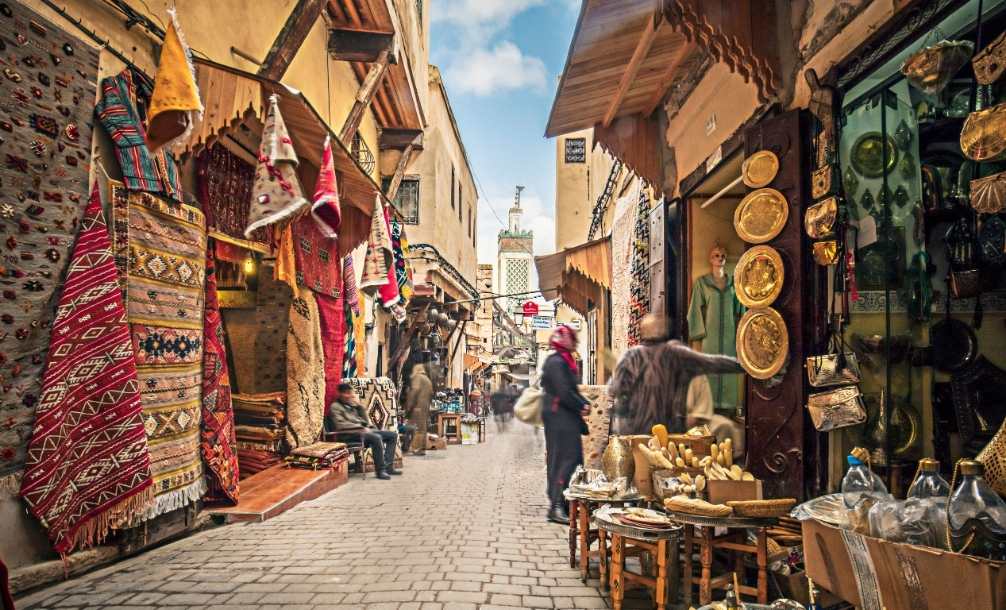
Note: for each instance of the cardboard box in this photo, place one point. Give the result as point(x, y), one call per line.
point(721, 492)
point(903, 576)
point(698, 444)
point(797, 588)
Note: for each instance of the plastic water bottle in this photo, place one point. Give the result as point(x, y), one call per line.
point(977, 515)
point(860, 481)
point(928, 483)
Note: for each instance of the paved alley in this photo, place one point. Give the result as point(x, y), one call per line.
point(463, 528)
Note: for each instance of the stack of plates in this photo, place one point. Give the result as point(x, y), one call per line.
point(643, 518)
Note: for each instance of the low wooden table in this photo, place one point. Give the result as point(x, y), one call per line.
point(449, 427)
point(735, 541)
point(581, 507)
point(661, 544)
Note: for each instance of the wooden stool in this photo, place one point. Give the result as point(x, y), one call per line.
point(662, 545)
point(581, 508)
point(735, 542)
point(449, 427)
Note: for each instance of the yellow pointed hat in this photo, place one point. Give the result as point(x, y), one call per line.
point(176, 94)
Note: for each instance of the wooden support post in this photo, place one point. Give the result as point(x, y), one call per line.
point(632, 68)
point(290, 38)
point(395, 363)
point(364, 96)
point(457, 343)
point(396, 180)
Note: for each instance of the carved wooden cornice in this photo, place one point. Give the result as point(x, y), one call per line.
point(714, 26)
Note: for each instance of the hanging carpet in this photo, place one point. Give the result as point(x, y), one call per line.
point(166, 276)
point(333, 337)
point(305, 373)
point(88, 467)
point(43, 192)
point(217, 430)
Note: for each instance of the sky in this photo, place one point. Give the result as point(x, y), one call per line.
point(500, 61)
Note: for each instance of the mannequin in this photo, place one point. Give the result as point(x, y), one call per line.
point(712, 325)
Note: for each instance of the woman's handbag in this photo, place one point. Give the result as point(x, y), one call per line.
point(836, 408)
point(993, 456)
point(528, 407)
point(819, 219)
point(838, 367)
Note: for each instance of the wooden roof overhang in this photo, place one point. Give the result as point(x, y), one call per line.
point(236, 103)
point(578, 275)
point(396, 103)
point(626, 54)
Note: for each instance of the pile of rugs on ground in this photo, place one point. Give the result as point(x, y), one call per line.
point(318, 456)
point(260, 421)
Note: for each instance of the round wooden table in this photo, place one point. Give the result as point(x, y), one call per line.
point(661, 544)
point(581, 506)
point(731, 541)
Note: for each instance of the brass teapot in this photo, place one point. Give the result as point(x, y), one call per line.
point(617, 460)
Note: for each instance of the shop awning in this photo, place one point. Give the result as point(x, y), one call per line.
point(577, 275)
point(626, 54)
point(235, 104)
point(472, 363)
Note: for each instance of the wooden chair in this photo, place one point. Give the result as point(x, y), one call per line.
point(354, 444)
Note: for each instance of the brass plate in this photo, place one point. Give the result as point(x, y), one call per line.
point(760, 169)
point(762, 342)
point(983, 138)
point(761, 215)
point(759, 276)
point(867, 154)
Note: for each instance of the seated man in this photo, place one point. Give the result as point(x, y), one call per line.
point(347, 417)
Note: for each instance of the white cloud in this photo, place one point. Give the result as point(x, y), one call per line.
point(487, 71)
point(494, 15)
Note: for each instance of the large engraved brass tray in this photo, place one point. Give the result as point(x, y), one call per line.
point(761, 215)
point(762, 342)
point(759, 276)
point(760, 169)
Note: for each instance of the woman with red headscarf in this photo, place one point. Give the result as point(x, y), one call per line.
point(562, 414)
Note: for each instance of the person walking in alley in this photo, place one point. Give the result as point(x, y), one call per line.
point(417, 405)
point(650, 384)
point(502, 403)
point(346, 416)
point(562, 412)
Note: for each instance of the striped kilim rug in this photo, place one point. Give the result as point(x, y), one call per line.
point(166, 276)
point(88, 467)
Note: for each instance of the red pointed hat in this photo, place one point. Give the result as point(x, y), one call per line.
point(326, 208)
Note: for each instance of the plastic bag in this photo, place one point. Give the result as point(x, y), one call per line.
point(828, 509)
point(528, 407)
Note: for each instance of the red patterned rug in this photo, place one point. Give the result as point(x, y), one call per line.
point(217, 431)
point(88, 466)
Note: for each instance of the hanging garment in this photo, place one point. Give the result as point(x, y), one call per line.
point(305, 373)
point(174, 104)
point(379, 252)
point(224, 184)
point(88, 467)
point(326, 209)
point(166, 277)
point(316, 256)
point(403, 268)
point(333, 341)
point(276, 194)
point(389, 291)
point(217, 430)
point(712, 318)
point(117, 111)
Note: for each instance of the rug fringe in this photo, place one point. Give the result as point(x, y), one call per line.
point(11, 483)
point(179, 498)
point(96, 530)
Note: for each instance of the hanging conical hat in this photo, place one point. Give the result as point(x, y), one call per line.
point(176, 94)
point(276, 194)
point(379, 252)
point(326, 209)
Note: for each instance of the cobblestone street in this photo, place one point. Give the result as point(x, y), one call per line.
point(463, 528)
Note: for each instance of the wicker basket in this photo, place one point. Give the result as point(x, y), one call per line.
point(692, 506)
point(762, 508)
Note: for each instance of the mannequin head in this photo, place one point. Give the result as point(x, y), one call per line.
point(718, 260)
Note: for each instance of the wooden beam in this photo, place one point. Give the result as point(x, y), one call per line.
point(457, 344)
point(395, 361)
point(290, 38)
point(632, 68)
point(346, 44)
point(665, 78)
point(364, 95)
point(396, 180)
point(400, 139)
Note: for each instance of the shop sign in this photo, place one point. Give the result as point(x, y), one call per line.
point(575, 324)
point(541, 322)
point(530, 308)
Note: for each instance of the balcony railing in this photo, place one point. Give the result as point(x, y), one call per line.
point(363, 154)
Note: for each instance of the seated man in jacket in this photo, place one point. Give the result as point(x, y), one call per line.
point(346, 416)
